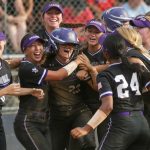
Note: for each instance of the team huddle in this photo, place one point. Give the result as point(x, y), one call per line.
point(68, 89)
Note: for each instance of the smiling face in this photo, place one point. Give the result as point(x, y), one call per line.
point(93, 35)
point(34, 52)
point(65, 52)
point(52, 18)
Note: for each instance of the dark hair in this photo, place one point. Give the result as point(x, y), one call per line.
point(116, 46)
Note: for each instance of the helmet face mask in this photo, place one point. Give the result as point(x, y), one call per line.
point(66, 37)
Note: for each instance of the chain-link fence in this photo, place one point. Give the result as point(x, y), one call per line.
point(75, 11)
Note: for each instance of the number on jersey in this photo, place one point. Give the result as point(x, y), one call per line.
point(122, 87)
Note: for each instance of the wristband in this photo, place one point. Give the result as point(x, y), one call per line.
point(98, 117)
point(70, 67)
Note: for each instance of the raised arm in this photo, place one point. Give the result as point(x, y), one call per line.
point(65, 71)
point(30, 8)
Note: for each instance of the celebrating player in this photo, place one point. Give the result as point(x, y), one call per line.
point(67, 108)
point(6, 88)
point(120, 87)
point(31, 123)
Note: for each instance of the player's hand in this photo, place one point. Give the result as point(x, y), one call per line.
point(13, 89)
point(78, 132)
point(86, 65)
point(82, 74)
point(79, 60)
point(39, 93)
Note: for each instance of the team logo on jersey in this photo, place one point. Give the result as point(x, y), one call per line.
point(35, 70)
point(2, 98)
point(4, 80)
point(99, 85)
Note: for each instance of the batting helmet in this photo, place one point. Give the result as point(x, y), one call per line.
point(115, 17)
point(64, 36)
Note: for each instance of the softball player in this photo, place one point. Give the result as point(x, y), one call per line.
point(31, 123)
point(142, 24)
point(120, 88)
point(115, 17)
point(94, 30)
point(6, 88)
point(5, 80)
point(67, 108)
point(52, 15)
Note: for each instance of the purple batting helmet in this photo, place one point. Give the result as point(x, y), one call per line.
point(115, 17)
point(64, 36)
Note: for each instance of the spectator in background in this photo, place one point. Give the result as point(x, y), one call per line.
point(98, 6)
point(136, 7)
point(77, 12)
point(17, 23)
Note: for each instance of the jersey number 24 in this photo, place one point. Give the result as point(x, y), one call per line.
point(122, 88)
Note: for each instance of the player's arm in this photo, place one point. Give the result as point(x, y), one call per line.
point(15, 90)
point(65, 71)
point(31, 91)
point(101, 68)
point(11, 89)
point(14, 63)
point(93, 73)
point(100, 115)
point(136, 60)
point(86, 66)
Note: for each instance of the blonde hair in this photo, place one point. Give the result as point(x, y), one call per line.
point(132, 36)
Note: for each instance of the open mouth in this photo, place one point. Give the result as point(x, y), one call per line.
point(66, 51)
point(53, 20)
point(92, 39)
point(38, 55)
